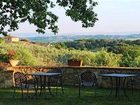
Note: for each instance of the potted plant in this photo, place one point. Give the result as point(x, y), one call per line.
point(13, 59)
point(75, 61)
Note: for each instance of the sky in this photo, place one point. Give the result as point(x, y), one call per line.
point(115, 17)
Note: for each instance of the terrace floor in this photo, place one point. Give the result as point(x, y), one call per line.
point(70, 97)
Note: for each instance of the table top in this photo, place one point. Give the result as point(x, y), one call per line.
point(117, 75)
point(44, 74)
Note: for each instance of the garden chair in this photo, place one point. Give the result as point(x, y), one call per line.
point(22, 82)
point(87, 79)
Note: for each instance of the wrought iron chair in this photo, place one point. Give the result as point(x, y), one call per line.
point(22, 82)
point(57, 80)
point(87, 79)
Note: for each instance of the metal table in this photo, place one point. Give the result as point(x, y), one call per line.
point(40, 78)
point(119, 78)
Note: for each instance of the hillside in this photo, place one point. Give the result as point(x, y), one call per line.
point(64, 38)
point(116, 46)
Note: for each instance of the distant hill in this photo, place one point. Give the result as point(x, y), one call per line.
point(63, 38)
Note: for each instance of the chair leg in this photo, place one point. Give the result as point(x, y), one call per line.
point(56, 87)
point(95, 88)
point(14, 92)
point(36, 88)
point(49, 86)
point(79, 90)
point(60, 84)
point(36, 83)
point(79, 87)
point(27, 91)
point(62, 88)
point(22, 93)
point(132, 86)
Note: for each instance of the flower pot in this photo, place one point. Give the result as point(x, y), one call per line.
point(13, 62)
point(73, 62)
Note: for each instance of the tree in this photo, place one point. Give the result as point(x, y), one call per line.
point(104, 58)
point(38, 12)
point(131, 56)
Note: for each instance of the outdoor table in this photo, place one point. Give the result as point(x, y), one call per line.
point(118, 79)
point(40, 78)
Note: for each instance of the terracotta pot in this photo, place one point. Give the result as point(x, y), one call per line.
point(73, 62)
point(13, 62)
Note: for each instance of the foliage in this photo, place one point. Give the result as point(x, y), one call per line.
point(3, 50)
point(137, 60)
point(27, 58)
point(38, 12)
point(86, 56)
point(103, 58)
point(131, 56)
point(19, 52)
point(39, 55)
point(3, 55)
point(7, 54)
point(1, 40)
point(12, 54)
point(3, 58)
point(115, 46)
point(126, 50)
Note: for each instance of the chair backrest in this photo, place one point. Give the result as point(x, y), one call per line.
point(88, 78)
point(19, 78)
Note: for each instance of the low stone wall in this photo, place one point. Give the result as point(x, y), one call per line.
point(6, 78)
point(70, 74)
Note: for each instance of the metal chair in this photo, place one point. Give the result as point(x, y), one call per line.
point(57, 80)
point(87, 79)
point(22, 82)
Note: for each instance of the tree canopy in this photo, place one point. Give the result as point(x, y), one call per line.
point(38, 12)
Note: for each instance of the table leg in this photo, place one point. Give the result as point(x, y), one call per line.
point(49, 85)
point(116, 88)
point(117, 91)
point(111, 82)
point(124, 86)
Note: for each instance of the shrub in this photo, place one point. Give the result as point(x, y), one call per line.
point(27, 58)
point(1, 40)
point(131, 57)
point(103, 58)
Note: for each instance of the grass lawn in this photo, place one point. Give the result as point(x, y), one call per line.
point(70, 97)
